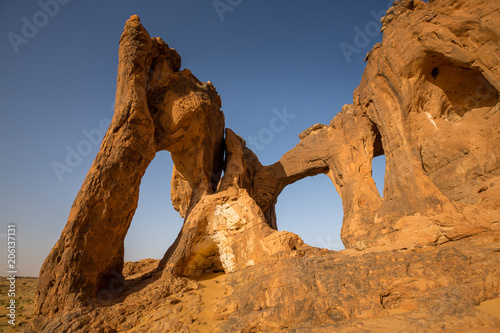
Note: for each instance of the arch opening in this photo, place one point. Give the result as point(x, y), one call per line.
point(312, 209)
point(378, 173)
point(378, 161)
point(156, 223)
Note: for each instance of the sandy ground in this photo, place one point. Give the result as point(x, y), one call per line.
point(397, 311)
point(491, 307)
point(203, 321)
point(25, 294)
point(189, 311)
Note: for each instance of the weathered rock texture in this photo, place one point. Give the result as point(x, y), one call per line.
point(420, 258)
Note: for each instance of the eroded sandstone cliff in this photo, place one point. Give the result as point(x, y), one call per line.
point(420, 258)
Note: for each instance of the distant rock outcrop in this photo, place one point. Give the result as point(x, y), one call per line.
point(420, 258)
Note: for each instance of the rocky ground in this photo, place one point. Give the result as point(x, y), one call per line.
point(453, 287)
point(421, 289)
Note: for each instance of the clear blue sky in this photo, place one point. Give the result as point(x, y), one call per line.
point(58, 80)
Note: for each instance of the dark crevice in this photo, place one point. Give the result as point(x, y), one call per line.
point(378, 147)
point(435, 72)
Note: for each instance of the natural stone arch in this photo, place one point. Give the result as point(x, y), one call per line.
point(157, 107)
point(342, 150)
point(396, 96)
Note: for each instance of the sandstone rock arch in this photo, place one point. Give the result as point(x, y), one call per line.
point(441, 143)
point(342, 150)
point(413, 101)
point(158, 108)
point(146, 120)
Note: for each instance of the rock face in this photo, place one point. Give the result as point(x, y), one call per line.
point(418, 290)
point(420, 258)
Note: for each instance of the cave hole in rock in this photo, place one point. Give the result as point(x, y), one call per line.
point(156, 223)
point(312, 209)
point(207, 259)
point(465, 88)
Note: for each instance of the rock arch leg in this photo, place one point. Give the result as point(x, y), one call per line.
point(91, 245)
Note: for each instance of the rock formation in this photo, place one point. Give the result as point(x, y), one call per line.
point(420, 258)
point(157, 108)
point(428, 101)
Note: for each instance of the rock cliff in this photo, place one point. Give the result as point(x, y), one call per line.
point(420, 258)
